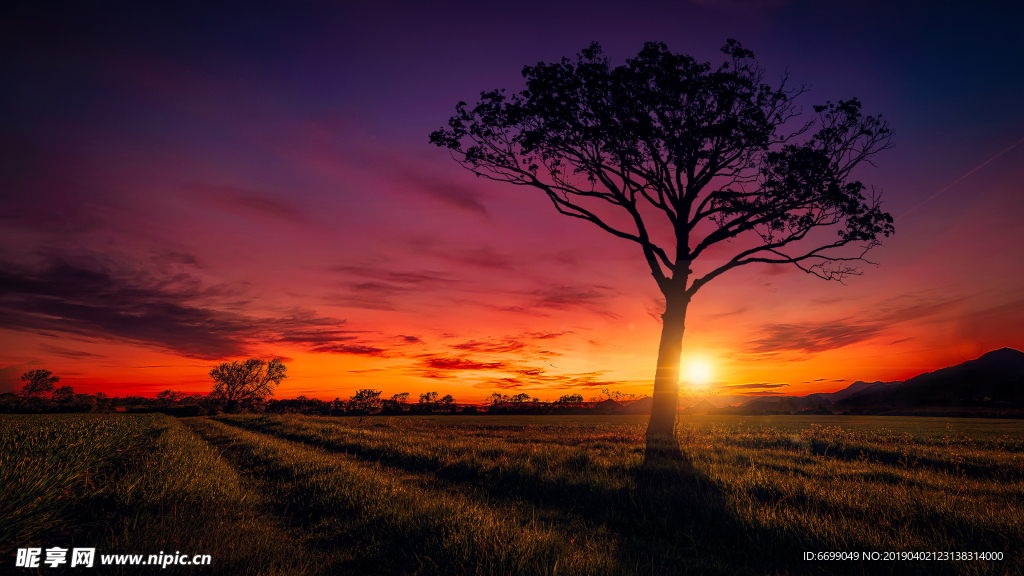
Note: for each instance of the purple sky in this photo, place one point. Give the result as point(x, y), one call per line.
point(188, 185)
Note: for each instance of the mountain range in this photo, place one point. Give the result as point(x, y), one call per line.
point(995, 380)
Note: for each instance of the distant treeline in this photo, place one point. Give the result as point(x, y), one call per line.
point(368, 402)
point(65, 400)
point(362, 403)
point(247, 386)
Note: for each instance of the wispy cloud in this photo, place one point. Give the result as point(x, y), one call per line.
point(819, 336)
point(540, 380)
point(813, 336)
point(401, 277)
point(592, 298)
point(778, 269)
point(506, 374)
point(10, 376)
point(523, 344)
point(720, 315)
point(357, 349)
point(546, 335)
point(378, 288)
point(482, 257)
point(249, 203)
point(167, 258)
point(506, 345)
point(442, 367)
point(73, 354)
point(445, 190)
point(367, 301)
point(172, 312)
point(413, 176)
point(746, 386)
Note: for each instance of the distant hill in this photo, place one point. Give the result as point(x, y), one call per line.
point(608, 405)
point(993, 379)
point(702, 407)
point(817, 399)
point(718, 400)
point(856, 388)
point(820, 399)
point(783, 403)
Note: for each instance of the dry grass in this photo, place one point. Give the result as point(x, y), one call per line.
point(543, 495)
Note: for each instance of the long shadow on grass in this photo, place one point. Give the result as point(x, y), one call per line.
point(668, 517)
point(983, 467)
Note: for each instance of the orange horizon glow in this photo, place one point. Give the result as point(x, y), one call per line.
point(515, 315)
point(565, 350)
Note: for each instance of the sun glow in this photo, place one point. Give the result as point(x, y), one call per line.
point(698, 373)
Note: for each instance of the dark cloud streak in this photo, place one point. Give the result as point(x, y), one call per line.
point(250, 204)
point(746, 386)
point(819, 336)
point(171, 312)
point(72, 354)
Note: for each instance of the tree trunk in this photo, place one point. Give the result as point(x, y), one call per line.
point(661, 441)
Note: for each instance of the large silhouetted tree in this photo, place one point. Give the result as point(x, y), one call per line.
point(681, 157)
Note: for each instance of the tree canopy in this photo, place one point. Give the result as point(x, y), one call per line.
point(35, 384)
point(700, 145)
point(253, 380)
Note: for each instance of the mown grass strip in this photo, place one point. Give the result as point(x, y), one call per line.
point(367, 520)
point(133, 484)
point(179, 494)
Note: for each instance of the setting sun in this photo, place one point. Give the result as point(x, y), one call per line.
point(698, 372)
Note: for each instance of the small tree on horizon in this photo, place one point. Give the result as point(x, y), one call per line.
point(571, 400)
point(251, 381)
point(697, 165)
point(168, 397)
point(35, 384)
point(364, 402)
point(518, 399)
point(428, 399)
point(448, 401)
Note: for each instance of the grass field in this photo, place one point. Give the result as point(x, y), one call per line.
point(516, 495)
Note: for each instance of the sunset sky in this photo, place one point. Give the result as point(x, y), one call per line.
point(194, 185)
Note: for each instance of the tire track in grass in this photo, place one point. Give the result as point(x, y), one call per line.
point(631, 507)
point(181, 494)
point(365, 520)
point(667, 520)
point(983, 460)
